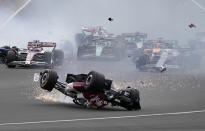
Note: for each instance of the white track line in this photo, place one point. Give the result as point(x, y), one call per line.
point(103, 118)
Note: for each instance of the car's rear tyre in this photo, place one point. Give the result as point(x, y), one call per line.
point(48, 58)
point(79, 38)
point(95, 82)
point(131, 101)
point(142, 61)
point(48, 80)
point(58, 57)
point(135, 96)
point(80, 53)
point(11, 56)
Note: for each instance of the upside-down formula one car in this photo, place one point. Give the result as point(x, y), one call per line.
point(36, 55)
point(90, 90)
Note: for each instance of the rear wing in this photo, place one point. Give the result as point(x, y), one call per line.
point(90, 29)
point(135, 34)
point(42, 44)
point(98, 30)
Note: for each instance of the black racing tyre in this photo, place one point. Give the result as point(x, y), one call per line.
point(79, 38)
point(131, 101)
point(142, 61)
point(58, 57)
point(135, 97)
point(47, 58)
point(95, 82)
point(48, 79)
point(11, 56)
point(80, 53)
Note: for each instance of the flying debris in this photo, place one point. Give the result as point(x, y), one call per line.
point(110, 19)
point(192, 26)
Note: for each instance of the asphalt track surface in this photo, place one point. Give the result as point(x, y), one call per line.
point(170, 101)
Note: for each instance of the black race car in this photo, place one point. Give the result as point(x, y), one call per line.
point(97, 43)
point(101, 48)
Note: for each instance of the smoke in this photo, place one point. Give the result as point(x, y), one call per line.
point(51, 20)
point(197, 4)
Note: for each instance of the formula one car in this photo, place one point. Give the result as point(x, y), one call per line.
point(97, 43)
point(90, 90)
point(157, 55)
point(35, 55)
point(101, 48)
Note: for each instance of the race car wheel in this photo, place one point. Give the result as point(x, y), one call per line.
point(47, 58)
point(48, 80)
point(79, 53)
point(95, 82)
point(142, 61)
point(130, 99)
point(58, 57)
point(79, 38)
point(135, 96)
point(11, 56)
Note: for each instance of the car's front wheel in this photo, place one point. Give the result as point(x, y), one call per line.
point(11, 56)
point(48, 80)
point(58, 57)
point(48, 59)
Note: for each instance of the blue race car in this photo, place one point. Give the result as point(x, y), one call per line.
point(3, 53)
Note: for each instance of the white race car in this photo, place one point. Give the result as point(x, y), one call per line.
point(36, 55)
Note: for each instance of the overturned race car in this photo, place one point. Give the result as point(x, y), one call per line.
point(36, 55)
point(90, 90)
